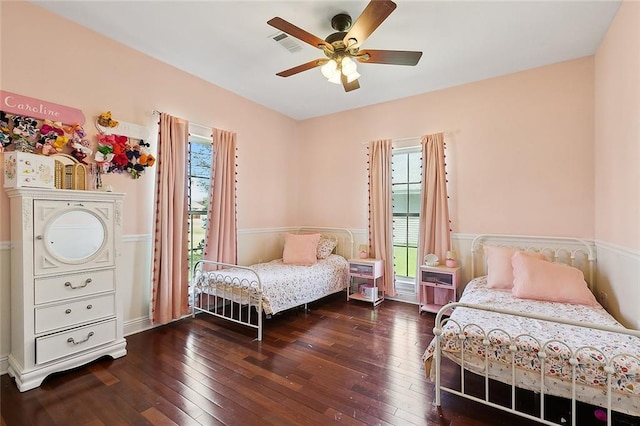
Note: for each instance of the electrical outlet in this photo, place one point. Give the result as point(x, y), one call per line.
point(603, 298)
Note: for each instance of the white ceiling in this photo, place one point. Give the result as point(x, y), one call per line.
point(227, 43)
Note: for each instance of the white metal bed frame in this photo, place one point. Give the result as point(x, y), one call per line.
point(238, 293)
point(609, 367)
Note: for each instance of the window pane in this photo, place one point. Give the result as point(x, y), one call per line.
point(199, 188)
point(399, 166)
point(414, 198)
point(400, 231)
point(415, 167)
point(413, 227)
point(400, 261)
point(405, 242)
point(198, 198)
point(200, 160)
point(405, 261)
point(406, 187)
point(400, 198)
point(196, 237)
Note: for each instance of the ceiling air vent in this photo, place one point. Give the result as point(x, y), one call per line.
point(287, 42)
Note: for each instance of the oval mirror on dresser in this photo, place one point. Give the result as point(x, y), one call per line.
point(75, 235)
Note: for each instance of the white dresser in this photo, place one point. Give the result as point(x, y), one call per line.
point(65, 307)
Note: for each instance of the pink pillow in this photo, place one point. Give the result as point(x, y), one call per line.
point(300, 249)
point(500, 270)
point(541, 280)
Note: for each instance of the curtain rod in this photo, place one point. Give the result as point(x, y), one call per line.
point(208, 128)
point(406, 139)
point(445, 134)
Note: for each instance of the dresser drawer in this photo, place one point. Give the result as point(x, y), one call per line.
point(62, 287)
point(48, 318)
point(79, 339)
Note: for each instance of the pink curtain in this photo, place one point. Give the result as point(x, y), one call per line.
point(170, 264)
point(380, 210)
point(221, 238)
point(435, 234)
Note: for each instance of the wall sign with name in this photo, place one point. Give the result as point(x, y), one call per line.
point(13, 103)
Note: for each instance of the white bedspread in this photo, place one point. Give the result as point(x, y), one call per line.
point(283, 286)
point(591, 378)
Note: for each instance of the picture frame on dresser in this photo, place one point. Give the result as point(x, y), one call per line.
point(66, 308)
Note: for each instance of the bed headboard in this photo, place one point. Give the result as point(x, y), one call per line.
point(343, 236)
point(570, 251)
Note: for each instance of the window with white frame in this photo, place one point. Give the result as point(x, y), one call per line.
point(406, 191)
point(198, 185)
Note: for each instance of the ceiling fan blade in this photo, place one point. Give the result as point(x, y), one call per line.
point(372, 16)
point(349, 86)
point(392, 57)
point(309, 65)
point(299, 33)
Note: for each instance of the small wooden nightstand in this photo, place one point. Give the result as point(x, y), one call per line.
point(439, 285)
point(363, 280)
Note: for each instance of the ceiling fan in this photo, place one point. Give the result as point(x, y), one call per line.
point(343, 46)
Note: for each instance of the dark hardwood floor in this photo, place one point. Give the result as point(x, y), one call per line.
point(341, 362)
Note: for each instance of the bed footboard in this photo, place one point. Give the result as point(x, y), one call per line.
point(617, 366)
point(230, 292)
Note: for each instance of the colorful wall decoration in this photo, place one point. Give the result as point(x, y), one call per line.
point(35, 126)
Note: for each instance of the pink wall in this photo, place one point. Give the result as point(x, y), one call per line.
point(47, 57)
point(617, 131)
point(520, 152)
point(520, 149)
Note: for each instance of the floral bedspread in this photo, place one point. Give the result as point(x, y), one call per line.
point(593, 348)
point(283, 286)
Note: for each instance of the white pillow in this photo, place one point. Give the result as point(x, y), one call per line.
point(325, 247)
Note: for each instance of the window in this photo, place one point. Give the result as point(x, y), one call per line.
point(406, 191)
point(199, 182)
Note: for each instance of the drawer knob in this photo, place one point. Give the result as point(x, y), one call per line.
point(83, 285)
point(68, 311)
point(39, 237)
point(89, 306)
point(71, 339)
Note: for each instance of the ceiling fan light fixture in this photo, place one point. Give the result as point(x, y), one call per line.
point(348, 65)
point(335, 78)
point(342, 48)
point(329, 69)
point(352, 76)
point(349, 69)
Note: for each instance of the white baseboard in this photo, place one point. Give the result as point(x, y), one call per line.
point(4, 364)
point(141, 324)
point(137, 325)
